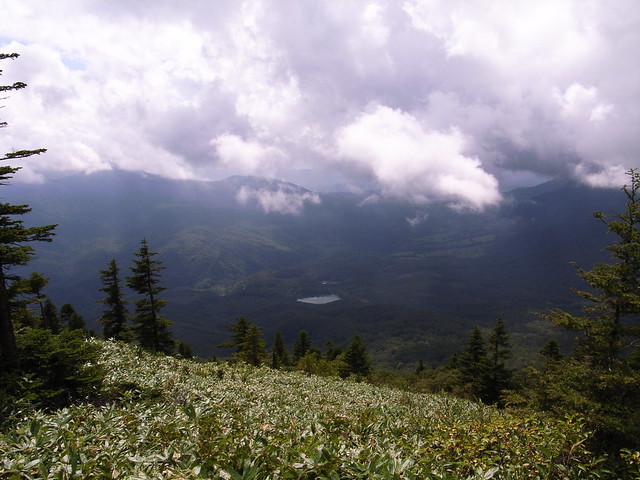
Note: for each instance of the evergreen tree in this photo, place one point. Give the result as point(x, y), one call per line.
point(114, 318)
point(597, 380)
point(150, 330)
point(550, 352)
point(253, 351)
point(279, 354)
point(614, 294)
point(301, 346)
point(184, 349)
point(332, 351)
point(474, 364)
point(70, 318)
point(14, 240)
point(238, 331)
point(356, 358)
point(498, 350)
point(50, 319)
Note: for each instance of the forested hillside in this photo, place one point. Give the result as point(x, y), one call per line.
point(412, 281)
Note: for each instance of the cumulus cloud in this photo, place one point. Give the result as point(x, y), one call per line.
point(414, 163)
point(434, 99)
point(281, 200)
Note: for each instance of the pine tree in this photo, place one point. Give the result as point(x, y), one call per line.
point(474, 364)
point(614, 295)
point(279, 354)
point(50, 319)
point(356, 358)
point(70, 318)
point(14, 237)
point(498, 351)
point(150, 329)
point(238, 331)
point(301, 346)
point(114, 318)
point(253, 351)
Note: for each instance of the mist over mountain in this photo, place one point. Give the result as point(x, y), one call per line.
point(411, 280)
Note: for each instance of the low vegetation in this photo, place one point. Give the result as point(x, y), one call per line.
point(164, 417)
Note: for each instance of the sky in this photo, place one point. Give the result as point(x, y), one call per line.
point(429, 100)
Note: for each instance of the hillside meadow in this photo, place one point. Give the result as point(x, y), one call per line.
point(162, 417)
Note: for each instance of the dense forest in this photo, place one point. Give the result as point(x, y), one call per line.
point(50, 361)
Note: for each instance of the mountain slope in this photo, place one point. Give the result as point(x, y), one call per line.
point(412, 280)
point(172, 418)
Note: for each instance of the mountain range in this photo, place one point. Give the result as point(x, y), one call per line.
point(411, 280)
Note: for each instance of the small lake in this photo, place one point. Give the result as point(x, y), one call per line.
point(321, 300)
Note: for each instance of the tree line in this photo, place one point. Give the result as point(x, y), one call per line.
point(250, 347)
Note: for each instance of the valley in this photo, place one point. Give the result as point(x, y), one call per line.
point(412, 280)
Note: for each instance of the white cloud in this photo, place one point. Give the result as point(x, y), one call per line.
point(247, 157)
point(414, 163)
point(279, 201)
point(539, 87)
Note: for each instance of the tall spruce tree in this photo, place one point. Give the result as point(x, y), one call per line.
point(498, 351)
point(474, 364)
point(114, 318)
point(279, 354)
point(301, 346)
point(150, 329)
point(356, 358)
point(238, 329)
point(253, 349)
point(14, 240)
point(598, 379)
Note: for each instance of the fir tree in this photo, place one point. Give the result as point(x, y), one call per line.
point(356, 358)
point(498, 351)
point(150, 329)
point(238, 331)
point(474, 364)
point(279, 354)
point(50, 319)
point(14, 240)
point(301, 346)
point(114, 318)
point(70, 318)
point(253, 351)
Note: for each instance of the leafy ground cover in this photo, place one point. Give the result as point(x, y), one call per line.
point(171, 418)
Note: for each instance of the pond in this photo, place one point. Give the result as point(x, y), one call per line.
point(320, 300)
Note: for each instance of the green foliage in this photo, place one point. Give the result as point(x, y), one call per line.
point(56, 369)
point(279, 354)
point(598, 380)
point(302, 346)
point(181, 419)
point(14, 240)
point(356, 359)
point(114, 318)
point(150, 330)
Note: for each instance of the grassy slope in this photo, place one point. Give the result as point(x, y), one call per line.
point(180, 419)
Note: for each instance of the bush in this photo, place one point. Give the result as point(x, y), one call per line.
point(57, 368)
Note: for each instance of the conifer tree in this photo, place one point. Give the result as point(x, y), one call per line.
point(150, 329)
point(239, 330)
point(14, 240)
point(253, 351)
point(279, 354)
point(50, 319)
point(114, 318)
point(301, 346)
point(498, 351)
point(356, 358)
point(474, 363)
point(70, 318)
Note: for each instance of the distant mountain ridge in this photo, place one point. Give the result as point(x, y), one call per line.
point(412, 279)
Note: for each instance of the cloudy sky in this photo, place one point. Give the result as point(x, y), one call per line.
point(431, 100)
